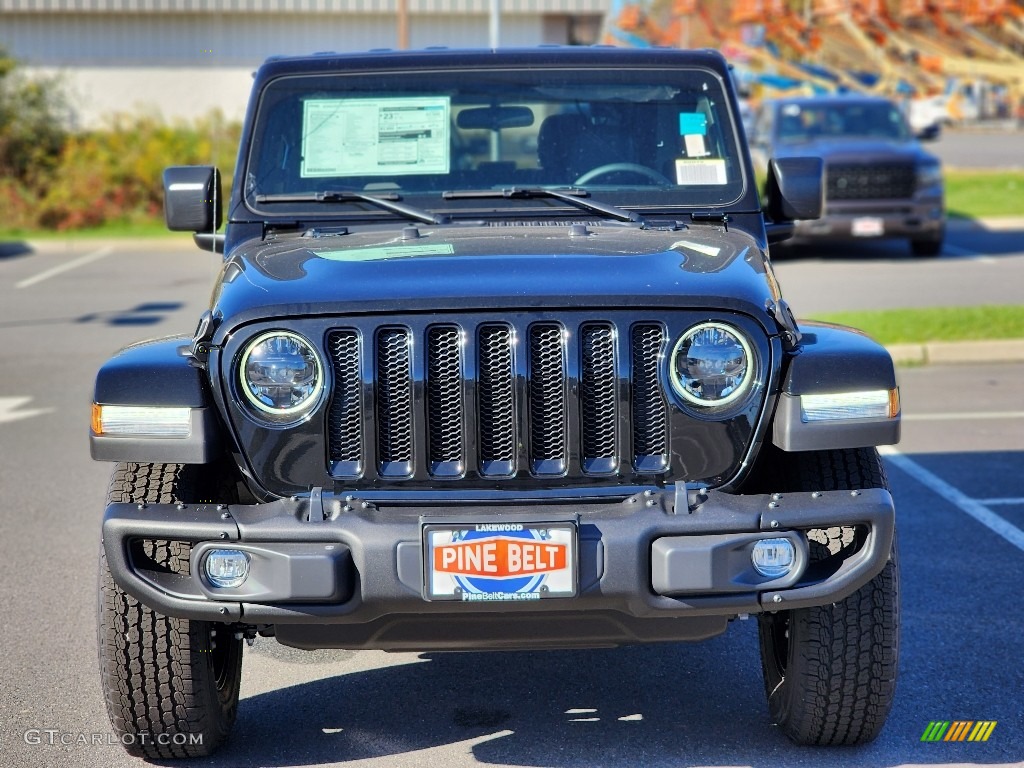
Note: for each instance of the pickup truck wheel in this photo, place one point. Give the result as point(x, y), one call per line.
point(926, 248)
point(830, 671)
point(170, 685)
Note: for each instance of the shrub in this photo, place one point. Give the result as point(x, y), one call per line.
point(33, 123)
point(51, 178)
point(114, 174)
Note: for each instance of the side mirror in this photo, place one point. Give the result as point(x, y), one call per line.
point(192, 198)
point(931, 133)
point(795, 188)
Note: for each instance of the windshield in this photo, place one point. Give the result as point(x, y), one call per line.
point(830, 120)
point(633, 137)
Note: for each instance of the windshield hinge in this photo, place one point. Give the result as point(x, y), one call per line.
point(318, 232)
point(783, 316)
point(199, 350)
point(711, 217)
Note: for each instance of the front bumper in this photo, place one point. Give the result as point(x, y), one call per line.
point(920, 218)
point(659, 565)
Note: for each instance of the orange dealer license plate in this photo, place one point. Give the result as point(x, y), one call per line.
point(487, 562)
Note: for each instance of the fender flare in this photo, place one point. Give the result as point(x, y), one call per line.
point(834, 359)
point(158, 373)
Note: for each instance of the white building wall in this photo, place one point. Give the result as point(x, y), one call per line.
point(184, 65)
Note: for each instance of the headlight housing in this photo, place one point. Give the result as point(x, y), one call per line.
point(711, 365)
point(929, 175)
point(281, 376)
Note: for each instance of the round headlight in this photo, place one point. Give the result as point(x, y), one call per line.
point(711, 365)
point(281, 374)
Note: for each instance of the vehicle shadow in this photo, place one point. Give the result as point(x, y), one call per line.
point(667, 705)
point(671, 705)
point(965, 239)
point(13, 249)
point(149, 313)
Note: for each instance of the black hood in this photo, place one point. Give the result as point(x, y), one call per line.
point(458, 267)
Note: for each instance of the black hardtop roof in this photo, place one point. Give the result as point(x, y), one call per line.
point(541, 56)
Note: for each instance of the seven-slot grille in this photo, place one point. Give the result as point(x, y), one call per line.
point(497, 398)
point(874, 181)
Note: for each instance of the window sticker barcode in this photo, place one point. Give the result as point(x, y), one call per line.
point(697, 172)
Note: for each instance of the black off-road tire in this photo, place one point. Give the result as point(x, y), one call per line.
point(830, 671)
point(170, 685)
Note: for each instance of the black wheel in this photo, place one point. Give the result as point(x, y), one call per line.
point(926, 248)
point(170, 685)
point(830, 671)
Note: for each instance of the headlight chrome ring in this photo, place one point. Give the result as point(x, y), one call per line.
point(711, 365)
point(281, 375)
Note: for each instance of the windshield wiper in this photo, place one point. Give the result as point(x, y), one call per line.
point(572, 195)
point(387, 202)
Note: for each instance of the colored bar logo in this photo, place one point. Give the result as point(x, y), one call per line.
point(959, 730)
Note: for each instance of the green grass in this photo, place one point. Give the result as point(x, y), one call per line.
point(153, 228)
point(908, 326)
point(976, 194)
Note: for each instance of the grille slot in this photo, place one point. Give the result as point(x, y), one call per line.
point(446, 419)
point(344, 422)
point(877, 181)
point(491, 399)
point(497, 403)
point(394, 403)
point(650, 412)
point(599, 413)
point(547, 399)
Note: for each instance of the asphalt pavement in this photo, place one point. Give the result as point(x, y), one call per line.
point(996, 145)
point(65, 307)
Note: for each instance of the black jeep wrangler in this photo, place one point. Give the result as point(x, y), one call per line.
point(496, 360)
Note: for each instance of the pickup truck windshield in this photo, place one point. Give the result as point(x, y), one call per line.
point(638, 137)
point(800, 122)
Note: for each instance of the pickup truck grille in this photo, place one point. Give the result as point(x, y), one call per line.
point(497, 398)
point(874, 181)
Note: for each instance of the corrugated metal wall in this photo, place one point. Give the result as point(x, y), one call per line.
point(184, 57)
point(300, 6)
point(224, 40)
point(182, 66)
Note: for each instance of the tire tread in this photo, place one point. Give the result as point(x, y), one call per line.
point(841, 673)
point(155, 681)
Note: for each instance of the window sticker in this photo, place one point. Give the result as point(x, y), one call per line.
point(694, 145)
point(693, 123)
point(710, 171)
point(375, 137)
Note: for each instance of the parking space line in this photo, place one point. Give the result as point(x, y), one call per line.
point(965, 504)
point(964, 416)
point(66, 267)
point(997, 502)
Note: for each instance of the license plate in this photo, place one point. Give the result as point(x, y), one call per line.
point(868, 227)
point(487, 562)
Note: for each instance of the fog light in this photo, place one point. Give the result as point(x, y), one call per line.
point(226, 567)
point(773, 558)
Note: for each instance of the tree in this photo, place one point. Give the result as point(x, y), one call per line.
point(34, 121)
